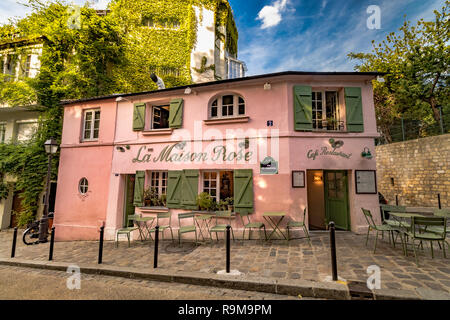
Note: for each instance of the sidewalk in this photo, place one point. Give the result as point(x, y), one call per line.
point(272, 260)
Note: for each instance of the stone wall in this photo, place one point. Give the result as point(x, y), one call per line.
point(420, 170)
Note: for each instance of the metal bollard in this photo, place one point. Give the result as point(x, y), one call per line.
point(100, 246)
point(52, 242)
point(333, 251)
point(228, 249)
point(155, 258)
point(439, 201)
point(396, 200)
point(13, 249)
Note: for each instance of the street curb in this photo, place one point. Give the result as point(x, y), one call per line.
point(305, 288)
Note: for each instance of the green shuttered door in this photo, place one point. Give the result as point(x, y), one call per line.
point(139, 117)
point(243, 190)
point(302, 108)
point(138, 200)
point(190, 189)
point(353, 109)
point(176, 113)
point(174, 186)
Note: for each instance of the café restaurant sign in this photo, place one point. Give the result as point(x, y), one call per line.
point(176, 153)
point(329, 152)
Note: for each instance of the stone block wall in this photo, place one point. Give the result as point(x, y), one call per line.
point(415, 170)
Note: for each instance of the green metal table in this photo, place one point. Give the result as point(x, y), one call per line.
point(203, 222)
point(143, 226)
point(270, 218)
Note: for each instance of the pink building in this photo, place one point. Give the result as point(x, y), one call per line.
point(277, 142)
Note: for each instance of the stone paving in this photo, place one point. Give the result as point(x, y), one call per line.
point(274, 259)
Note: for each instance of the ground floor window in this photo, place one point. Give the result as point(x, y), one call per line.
point(158, 181)
point(219, 184)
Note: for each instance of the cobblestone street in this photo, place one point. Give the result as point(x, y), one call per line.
point(274, 259)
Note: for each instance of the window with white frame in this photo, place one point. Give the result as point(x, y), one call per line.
point(158, 181)
point(325, 110)
point(91, 125)
point(2, 132)
point(25, 66)
point(227, 106)
point(159, 117)
point(25, 130)
point(218, 184)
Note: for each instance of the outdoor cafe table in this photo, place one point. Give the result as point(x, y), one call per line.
point(270, 218)
point(142, 223)
point(203, 222)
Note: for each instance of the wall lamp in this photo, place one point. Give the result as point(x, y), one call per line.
point(122, 148)
point(366, 153)
point(119, 99)
point(267, 86)
point(317, 177)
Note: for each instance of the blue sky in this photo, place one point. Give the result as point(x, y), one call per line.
point(307, 35)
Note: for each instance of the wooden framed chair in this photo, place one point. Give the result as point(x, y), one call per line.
point(299, 224)
point(163, 227)
point(127, 230)
point(186, 228)
point(252, 225)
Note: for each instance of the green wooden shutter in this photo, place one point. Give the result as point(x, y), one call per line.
point(302, 108)
point(354, 110)
point(176, 113)
point(243, 190)
point(139, 117)
point(174, 188)
point(139, 189)
point(190, 189)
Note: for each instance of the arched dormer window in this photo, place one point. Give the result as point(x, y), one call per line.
point(227, 106)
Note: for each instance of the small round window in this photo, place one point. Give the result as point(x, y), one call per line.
point(83, 186)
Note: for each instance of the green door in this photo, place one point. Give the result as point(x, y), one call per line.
point(336, 199)
point(129, 197)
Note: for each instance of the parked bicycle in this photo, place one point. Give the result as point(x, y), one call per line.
point(31, 234)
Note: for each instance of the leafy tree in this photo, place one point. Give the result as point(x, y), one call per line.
point(417, 65)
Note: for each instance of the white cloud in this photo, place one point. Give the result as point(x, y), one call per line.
point(271, 15)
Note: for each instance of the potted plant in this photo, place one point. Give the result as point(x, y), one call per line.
point(163, 200)
point(205, 201)
point(230, 203)
point(148, 197)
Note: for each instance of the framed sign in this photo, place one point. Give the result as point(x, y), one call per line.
point(298, 179)
point(366, 181)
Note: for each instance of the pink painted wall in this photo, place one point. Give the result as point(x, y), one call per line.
point(104, 166)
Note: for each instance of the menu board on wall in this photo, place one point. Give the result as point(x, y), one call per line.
point(366, 182)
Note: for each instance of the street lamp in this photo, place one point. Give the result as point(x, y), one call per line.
point(51, 147)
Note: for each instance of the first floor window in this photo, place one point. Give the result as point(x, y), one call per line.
point(91, 125)
point(158, 181)
point(219, 184)
point(325, 110)
point(2, 132)
point(160, 117)
point(227, 106)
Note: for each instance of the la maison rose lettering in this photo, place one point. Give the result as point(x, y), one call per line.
point(174, 154)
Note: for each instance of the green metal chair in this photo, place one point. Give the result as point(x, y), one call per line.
point(378, 228)
point(163, 227)
point(420, 231)
point(441, 213)
point(252, 225)
point(186, 228)
point(220, 227)
point(127, 230)
point(299, 224)
point(385, 209)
